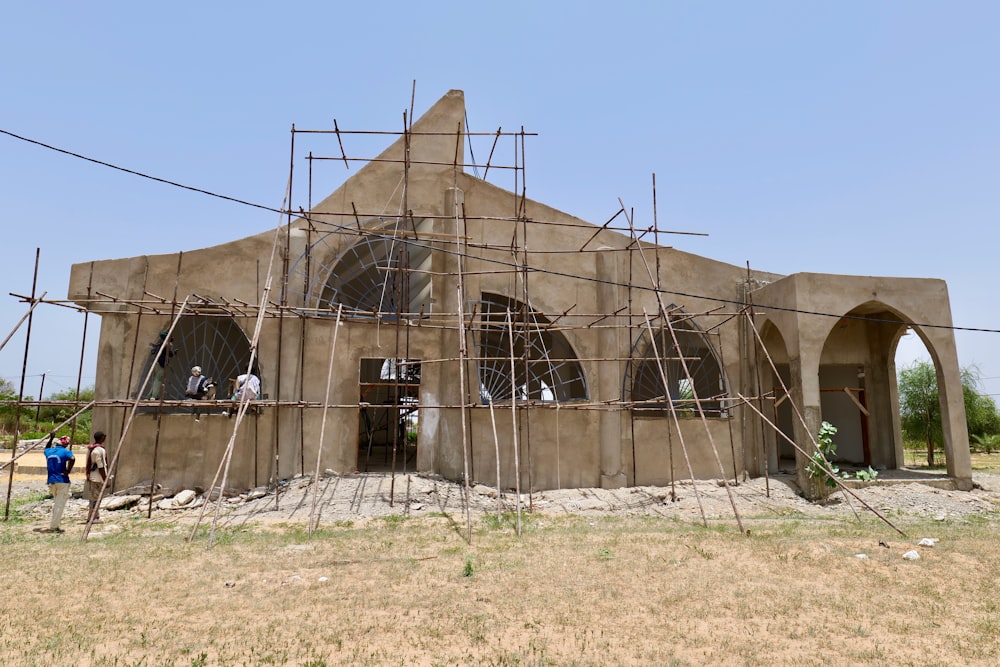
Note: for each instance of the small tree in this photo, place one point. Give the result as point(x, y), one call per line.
point(920, 406)
point(985, 443)
point(980, 410)
point(820, 467)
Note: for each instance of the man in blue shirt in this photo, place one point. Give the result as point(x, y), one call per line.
point(59, 460)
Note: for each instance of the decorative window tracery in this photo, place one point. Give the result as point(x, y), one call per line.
point(644, 382)
point(216, 343)
point(544, 363)
point(376, 274)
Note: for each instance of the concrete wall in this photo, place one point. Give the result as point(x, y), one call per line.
point(594, 273)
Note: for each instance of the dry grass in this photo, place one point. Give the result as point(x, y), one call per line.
point(570, 591)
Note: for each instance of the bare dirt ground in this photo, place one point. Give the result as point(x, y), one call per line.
point(596, 577)
point(339, 498)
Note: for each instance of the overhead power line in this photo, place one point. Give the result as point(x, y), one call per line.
point(495, 261)
point(141, 174)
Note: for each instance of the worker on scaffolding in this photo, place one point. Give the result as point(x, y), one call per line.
point(247, 389)
point(162, 350)
point(199, 388)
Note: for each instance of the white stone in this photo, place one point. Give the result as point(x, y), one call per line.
point(911, 555)
point(119, 502)
point(184, 497)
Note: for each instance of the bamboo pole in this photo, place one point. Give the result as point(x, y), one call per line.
point(465, 439)
point(128, 424)
point(513, 415)
point(496, 448)
point(729, 420)
point(31, 308)
point(673, 415)
point(757, 386)
point(313, 518)
point(276, 431)
point(395, 392)
point(20, 392)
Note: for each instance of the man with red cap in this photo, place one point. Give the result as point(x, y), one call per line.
point(59, 461)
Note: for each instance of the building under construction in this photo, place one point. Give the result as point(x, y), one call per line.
point(423, 319)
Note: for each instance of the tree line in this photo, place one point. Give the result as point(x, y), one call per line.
point(39, 421)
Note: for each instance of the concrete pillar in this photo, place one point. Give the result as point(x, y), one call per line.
point(804, 371)
point(953, 421)
point(440, 437)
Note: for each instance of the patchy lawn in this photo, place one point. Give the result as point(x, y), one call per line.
point(570, 591)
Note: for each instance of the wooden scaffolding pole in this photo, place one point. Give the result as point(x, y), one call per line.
point(513, 416)
point(20, 392)
point(313, 517)
point(701, 412)
point(131, 416)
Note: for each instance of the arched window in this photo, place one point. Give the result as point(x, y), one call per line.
point(545, 367)
point(658, 357)
point(214, 342)
point(388, 266)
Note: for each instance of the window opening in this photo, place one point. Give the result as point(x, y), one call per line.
point(369, 275)
point(216, 343)
point(643, 386)
point(390, 404)
point(545, 365)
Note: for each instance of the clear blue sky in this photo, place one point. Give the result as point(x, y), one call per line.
point(851, 137)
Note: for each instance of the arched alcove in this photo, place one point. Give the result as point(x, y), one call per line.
point(771, 384)
point(380, 267)
point(857, 385)
point(663, 356)
point(216, 343)
point(544, 363)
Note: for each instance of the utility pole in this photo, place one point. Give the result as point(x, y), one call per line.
point(41, 389)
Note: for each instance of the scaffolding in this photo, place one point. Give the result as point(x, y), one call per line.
point(376, 267)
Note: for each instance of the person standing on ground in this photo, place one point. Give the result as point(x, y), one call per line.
point(97, 473)
point(59, 461)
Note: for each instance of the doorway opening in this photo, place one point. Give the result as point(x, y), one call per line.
point(389, 419)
